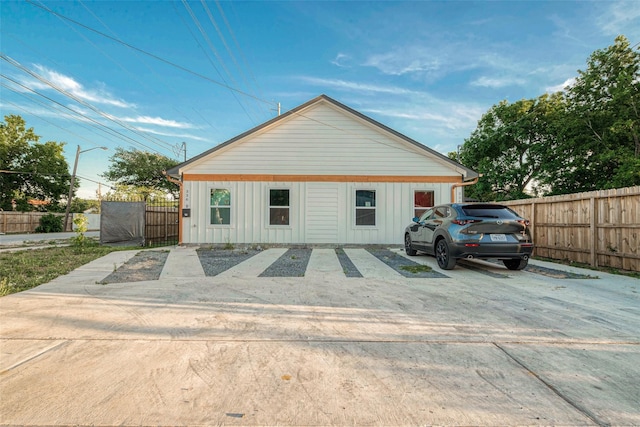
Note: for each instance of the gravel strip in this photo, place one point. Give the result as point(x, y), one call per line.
point(292, 263)
point(396, 262)
point(546, 271)
point(349, 269)
point(215, 261)
point(145, 265)
point(557, 274)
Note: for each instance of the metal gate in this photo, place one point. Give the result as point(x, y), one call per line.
point(139, 223)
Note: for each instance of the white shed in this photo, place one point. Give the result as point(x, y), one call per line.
point(320, 173)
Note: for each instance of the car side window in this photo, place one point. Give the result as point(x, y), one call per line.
point(441, 212)
point(426, 215)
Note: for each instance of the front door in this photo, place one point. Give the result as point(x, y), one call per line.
point(322, 213)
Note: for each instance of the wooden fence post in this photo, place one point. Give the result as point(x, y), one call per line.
point(593, 231)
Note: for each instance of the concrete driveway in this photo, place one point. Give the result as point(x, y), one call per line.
point(482, 346)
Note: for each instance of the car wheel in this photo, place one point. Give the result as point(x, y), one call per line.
point(515, 264)
point(443, 256)
point(407, 245)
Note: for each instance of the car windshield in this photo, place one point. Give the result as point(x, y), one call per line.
point(489, 211)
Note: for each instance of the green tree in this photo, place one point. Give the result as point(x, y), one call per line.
point(82, 205)
point(138, 193)
point(30, 169)
point(511, 146)
point(143, 170)
point(601, 136)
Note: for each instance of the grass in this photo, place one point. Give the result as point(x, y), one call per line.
point(27, 269)
point(416, 269)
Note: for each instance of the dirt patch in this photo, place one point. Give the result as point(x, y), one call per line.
point(145, 265)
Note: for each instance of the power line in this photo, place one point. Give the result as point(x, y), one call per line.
point(173, 64)
point(45, 120)
point(235, 40)
point(135, 76)
point(224, 41)
point(86, 104)
point(120, 134)
point(215, 52)
point(10, 172)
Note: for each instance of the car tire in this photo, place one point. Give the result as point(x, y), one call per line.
point(443, 255)
point(515, 264)
point(407, 245)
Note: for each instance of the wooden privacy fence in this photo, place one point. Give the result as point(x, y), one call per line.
point(599, 228)
point(21, 222)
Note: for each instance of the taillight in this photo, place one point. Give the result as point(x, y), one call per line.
point(464, 221)
point(524, 222)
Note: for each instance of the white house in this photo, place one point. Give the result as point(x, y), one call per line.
point(320, 173)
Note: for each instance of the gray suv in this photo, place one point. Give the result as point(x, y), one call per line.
point(470, 230)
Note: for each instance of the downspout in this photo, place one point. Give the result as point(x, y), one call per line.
point(462, 184)
point(177, 181)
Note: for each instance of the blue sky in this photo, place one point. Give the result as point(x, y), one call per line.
point(154, 74)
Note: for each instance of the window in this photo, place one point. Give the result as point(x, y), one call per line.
point(422, 200)
point(365, 207)
point(220, 203)
point(426, 215)
point(279, 207)
point(441, 212)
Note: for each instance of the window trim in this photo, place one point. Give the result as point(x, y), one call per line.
point(230, 207)
point(290, 207)
point(423, 190)
point(355, 208)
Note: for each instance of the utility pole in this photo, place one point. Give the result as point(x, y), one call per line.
point(277, 109)
point(73, 181)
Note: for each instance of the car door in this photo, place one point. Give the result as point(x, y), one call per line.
point(418, 234)
point(435, 220)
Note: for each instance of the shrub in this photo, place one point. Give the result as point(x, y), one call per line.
point(81, 223)
point(50, 223)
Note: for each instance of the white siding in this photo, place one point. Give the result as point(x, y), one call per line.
point(322, 140)
point(322, 212)
point(312, 204)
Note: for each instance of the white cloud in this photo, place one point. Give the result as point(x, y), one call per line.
point(439, 114)
point(341, 60)
point(158, 121)
point(357, 87)
point(444, 120)
point(622, 17)
point(498, 82)
point(176, 135)
point(67, 84)
point(405, 61)
point(562, 86)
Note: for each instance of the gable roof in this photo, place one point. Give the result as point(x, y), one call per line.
point(467, 173)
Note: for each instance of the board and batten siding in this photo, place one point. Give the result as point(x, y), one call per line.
point(320, 212)
point(322, 141)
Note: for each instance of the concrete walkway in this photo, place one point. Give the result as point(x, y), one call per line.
point(511, 348)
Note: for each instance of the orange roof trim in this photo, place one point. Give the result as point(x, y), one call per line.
point(320, 178)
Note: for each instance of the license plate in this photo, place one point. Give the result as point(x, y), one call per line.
point(498, 238)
